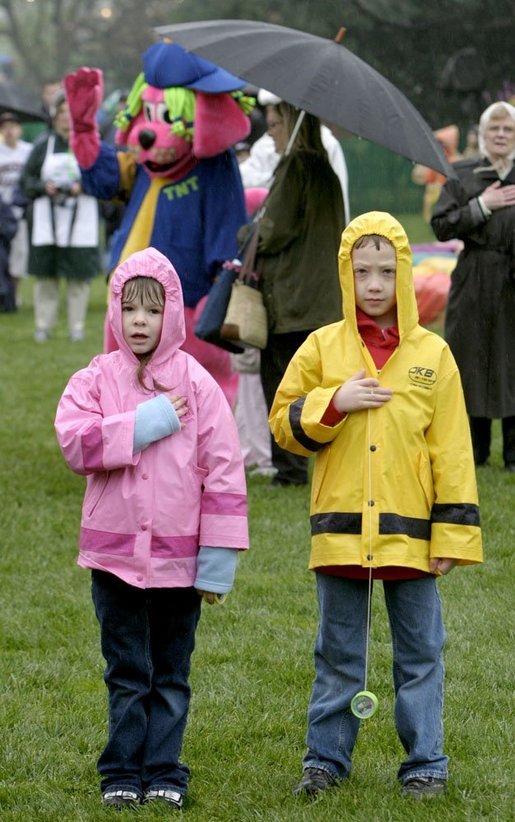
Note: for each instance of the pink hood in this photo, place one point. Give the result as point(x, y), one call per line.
point(150, 263)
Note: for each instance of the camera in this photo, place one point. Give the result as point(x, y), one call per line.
point(61, 195)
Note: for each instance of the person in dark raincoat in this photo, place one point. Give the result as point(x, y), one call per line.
point(8, 226)
point(479, 208)
point(297, 257)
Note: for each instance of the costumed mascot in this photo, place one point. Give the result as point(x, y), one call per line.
point(174, 169)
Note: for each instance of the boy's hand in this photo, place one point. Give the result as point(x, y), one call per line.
point(360, 392)
point(441, 566)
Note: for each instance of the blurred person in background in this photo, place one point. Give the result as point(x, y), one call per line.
point(51, 87)
point(63, 227)
point(471, 150)
point(8, 224)
point(250, 410)
point(13, 155)
point(112, 211)
point(448, 137)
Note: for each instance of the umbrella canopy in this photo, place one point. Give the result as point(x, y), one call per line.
point(16, 101)
point(319, 76)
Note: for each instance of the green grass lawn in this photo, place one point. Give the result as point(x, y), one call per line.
point(252, 669)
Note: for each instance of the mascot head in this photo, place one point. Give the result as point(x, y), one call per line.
point(181, 109)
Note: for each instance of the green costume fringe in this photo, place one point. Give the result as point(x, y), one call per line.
point(180, 103)
point(134, 104)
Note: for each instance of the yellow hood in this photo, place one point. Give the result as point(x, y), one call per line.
point(382, 223)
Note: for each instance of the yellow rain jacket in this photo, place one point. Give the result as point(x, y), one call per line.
point(392, 486)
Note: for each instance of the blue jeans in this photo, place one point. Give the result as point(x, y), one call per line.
point(418, 637)
point(147, 639)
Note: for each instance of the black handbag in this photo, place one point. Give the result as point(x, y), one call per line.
point(213, 314)
point(211, 321)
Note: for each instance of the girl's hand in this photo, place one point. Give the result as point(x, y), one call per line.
point(360, 392)
point(179, 404)
point(441, 566)
point(211, 597)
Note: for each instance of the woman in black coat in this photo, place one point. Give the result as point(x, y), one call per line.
point(479, 208)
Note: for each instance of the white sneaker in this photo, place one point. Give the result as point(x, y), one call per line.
point(164, 795)
point(40, 335)
point(263, 472)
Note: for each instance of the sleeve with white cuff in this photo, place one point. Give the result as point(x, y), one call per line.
point(484, 208)
point(216, 568)
point(155, 419)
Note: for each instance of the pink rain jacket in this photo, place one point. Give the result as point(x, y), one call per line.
point(146, 514)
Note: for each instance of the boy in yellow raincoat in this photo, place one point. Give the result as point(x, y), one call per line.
point(378, 399)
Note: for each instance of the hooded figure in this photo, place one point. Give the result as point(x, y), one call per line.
point(148, 508)
point(393, 486)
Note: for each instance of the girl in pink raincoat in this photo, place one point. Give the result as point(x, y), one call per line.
point(164, 515)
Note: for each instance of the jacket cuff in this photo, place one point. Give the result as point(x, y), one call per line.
point(332, 416)
point(476, 212)
point(484, 208)
point(155, 419)
point(216, 568)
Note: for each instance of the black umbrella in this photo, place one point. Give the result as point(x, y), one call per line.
point(319, 76)
point(16, 101)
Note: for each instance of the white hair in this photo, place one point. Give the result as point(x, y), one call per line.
point(494, 111)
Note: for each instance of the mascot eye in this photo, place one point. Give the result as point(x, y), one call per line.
point(148, 112)
point(162, 113)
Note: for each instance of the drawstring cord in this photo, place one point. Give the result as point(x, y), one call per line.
point(370, 554)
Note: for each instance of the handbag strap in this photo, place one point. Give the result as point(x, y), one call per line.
point(247, 270)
